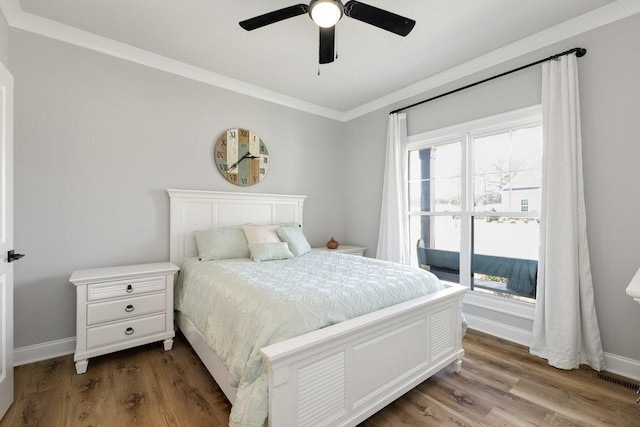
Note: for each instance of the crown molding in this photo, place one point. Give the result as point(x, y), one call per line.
point(597, 18)
point(17, 18)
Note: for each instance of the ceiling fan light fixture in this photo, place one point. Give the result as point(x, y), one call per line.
point(325, 13)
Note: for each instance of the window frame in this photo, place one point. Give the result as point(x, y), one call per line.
point(465, 133)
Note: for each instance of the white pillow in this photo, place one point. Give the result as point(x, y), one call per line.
point(293, 235)
point(258, 234)
point(270, 251)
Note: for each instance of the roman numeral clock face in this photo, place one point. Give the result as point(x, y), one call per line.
point(241, 157)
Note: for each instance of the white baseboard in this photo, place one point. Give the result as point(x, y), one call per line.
point(500, 330)
point(615, 364)
point(622, 366)
point(44, 351)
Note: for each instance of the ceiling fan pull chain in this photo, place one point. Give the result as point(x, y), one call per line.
point(318, 69)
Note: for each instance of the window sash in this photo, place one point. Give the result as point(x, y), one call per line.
point(465, 134)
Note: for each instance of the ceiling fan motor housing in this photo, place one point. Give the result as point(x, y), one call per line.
point(326, 13)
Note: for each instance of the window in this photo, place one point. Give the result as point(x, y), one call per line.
point(474, 203)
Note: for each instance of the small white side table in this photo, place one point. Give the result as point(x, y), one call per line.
point(344, 249)
point(122, 307)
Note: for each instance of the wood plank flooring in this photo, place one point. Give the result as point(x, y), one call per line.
point(500, 385)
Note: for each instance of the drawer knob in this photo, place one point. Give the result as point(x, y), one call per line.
point(129, 331)
point(129, 308)
point(129, 289)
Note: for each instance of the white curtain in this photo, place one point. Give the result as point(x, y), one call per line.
point(565, 327)
point(394, 227)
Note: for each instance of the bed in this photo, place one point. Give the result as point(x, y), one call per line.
point(340, 374)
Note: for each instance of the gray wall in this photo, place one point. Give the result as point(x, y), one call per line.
point(98, 140)
point(609, 93)
point(97, 143)
point(4, 40)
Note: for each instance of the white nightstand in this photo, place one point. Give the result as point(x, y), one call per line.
point(344, 249)
point(122, 307)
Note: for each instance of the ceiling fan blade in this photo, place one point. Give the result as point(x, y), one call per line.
point(327, 44)
point(275, 16)
point(379, 18)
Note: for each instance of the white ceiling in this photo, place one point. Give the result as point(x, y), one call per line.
point(283, 57)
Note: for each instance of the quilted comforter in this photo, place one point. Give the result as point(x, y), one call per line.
point(240, 306)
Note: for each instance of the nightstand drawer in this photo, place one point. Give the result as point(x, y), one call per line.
point(100, 312)
point(121, 288)
point(99, 336)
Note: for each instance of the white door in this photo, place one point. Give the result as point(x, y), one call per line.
point(6, 239)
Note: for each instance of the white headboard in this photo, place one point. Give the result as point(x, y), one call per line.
point(191, 210)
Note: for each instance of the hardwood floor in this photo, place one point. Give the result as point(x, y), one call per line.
point(144, 386)
point(500, 385)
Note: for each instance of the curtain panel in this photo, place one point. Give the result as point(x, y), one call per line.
point(565, 327)
point(394, 224)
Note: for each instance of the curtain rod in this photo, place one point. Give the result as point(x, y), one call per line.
point(580, 52)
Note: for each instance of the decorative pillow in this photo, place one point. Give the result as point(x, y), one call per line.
point(293, 235)
point(221, 243)
point(270, 251)
point(257, 234)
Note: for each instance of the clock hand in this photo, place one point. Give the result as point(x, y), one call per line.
point(233, 166)
point(246, 156)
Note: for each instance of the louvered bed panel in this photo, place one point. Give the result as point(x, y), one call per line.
point(344, 373)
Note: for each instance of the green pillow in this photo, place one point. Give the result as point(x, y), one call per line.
point(293, 235)
point(270, 251)
point(221, 243)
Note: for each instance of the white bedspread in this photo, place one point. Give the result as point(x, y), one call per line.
point(241, 306)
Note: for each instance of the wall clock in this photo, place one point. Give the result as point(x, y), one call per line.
point(241, 157)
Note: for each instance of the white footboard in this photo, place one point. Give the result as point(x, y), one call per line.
point(342, 374)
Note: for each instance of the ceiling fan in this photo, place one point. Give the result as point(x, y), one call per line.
point(327, 13)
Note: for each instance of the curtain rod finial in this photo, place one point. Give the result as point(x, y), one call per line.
point(581, 52)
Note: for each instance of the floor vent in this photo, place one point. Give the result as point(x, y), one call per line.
point(617, 381)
